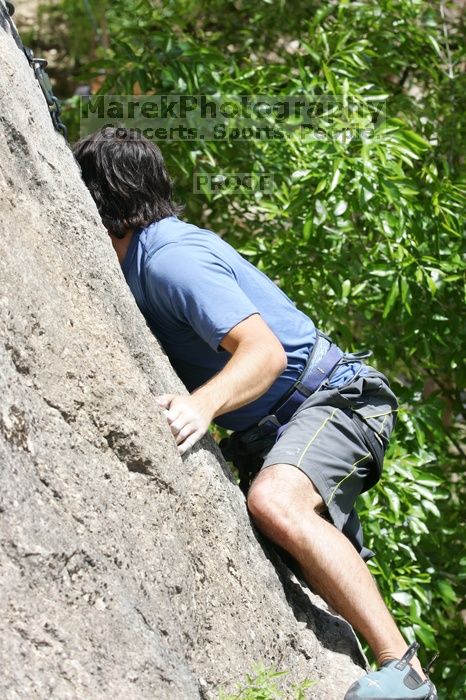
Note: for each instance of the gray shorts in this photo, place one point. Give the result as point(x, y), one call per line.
point(333, 438)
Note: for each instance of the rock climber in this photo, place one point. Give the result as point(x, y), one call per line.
point(311, 423)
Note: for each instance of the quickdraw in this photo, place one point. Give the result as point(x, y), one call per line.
point(39, 65)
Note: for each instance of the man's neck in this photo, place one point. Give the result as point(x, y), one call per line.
point(121, 245)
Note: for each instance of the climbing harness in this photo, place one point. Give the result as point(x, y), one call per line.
point(38, 65)
point(247, 448)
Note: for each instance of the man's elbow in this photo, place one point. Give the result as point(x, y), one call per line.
point(278, 361)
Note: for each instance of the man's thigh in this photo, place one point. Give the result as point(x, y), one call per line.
point(323, 445)
point(324, 440)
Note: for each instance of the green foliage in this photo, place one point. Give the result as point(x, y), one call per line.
point(364, 226)
point(262, 685)
point(415, 553)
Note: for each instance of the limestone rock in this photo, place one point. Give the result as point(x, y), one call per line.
point(125, 571)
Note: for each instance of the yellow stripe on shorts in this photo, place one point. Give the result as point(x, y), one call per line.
point(347, 476)
point(303, 454)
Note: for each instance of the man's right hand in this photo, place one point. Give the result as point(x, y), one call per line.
point(187, 417)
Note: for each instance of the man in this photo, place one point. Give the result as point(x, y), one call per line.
point(255, 364)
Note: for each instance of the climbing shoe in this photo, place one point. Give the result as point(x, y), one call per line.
point(395, 680)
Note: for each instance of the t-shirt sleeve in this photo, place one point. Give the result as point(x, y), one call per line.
point(195, 286)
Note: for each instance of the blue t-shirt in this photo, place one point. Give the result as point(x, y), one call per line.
point(192, 288)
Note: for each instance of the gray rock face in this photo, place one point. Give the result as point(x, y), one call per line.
point(125, 571)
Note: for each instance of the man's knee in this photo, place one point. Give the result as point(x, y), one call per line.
point(281, 496)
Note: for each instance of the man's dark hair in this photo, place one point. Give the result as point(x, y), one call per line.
point(127, 178)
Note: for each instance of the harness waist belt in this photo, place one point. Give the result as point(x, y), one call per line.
point(314, 374)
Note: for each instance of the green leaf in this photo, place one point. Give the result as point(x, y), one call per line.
point(402, 597)
point(299, 175)
point(330, 78)
point(320, 186)
point(447, 592)
point(405, 294)
point(340, 208)
point(394, 500)
point(426, 635)
point(346, 289)
point(335, 180)
point(435, 44)
point(307, 229)
point(392, 297)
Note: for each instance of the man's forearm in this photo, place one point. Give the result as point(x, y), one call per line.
point(257, 359)
point(251, 370)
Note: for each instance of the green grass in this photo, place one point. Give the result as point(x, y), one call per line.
point(263, 684)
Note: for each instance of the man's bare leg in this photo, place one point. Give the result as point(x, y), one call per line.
point(285, 506)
